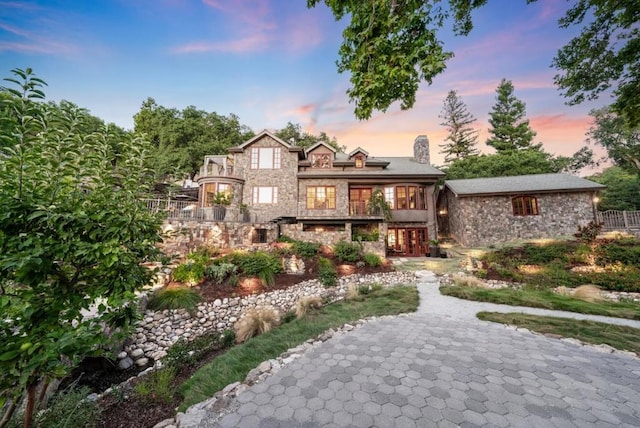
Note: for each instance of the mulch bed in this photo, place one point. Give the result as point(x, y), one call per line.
point(121, 412)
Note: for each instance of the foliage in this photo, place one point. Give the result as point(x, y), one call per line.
point(159, 385)
point(510, 130)
point(234, 364)
point(621, 141)
point(377, 204)
point(306, 140)
point(589, 232)
point(622, 192)
point(389, 47)
point(306, 304)
point(191, 272)
point(605, 53)
point(256, 322)
point(190, 352)
point(462, 139)
point(620, 337)
point(73, 234)
point(228, 338)
point(327, 273)
point(346, 251)
point(544, 299)
point(364, 234)
point(262, 264)
point(305, 249)
point(181, 138)
point(285, 238)
point(68, 408)
point(624, 251)
point(220, 198)
point(218, 272)
point(175, 298)
point(372, 259)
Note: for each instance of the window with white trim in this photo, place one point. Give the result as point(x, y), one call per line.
point(265, 195)
point(265, 158)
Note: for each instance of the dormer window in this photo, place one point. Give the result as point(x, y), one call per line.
point(322, 160)
point(359, 161)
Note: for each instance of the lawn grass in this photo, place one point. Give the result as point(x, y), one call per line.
point(544, 299)
point(234, 365)
point(620, 337)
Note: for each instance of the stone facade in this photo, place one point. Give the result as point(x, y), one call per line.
point(486, 220)
point(296, 231)
point(421, 149)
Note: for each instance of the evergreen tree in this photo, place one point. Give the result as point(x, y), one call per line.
point(462, 138)
point(510, 130)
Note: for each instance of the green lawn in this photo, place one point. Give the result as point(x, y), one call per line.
point(234, 365)
point(620, 337)
point(544, 299)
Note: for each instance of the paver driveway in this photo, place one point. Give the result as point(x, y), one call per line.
point(444, 369)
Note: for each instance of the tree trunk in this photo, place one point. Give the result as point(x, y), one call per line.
point(7, 416)
point(31, 398)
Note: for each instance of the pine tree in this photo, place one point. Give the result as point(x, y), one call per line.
point(462, 138)
point(510, 130)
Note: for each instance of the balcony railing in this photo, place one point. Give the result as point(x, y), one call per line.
point(216, 170)
point(189, 210)
point(360, 208)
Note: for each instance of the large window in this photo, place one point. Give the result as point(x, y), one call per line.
point(524, 205)
point(265, 195)
point(321, 197)
point(406, 197)
point(211, 189)
point(265, 158)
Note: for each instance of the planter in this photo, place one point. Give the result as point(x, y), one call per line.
point(443, 254)
point(434, 251)
point(219, 212)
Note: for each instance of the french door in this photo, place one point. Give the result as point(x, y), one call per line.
point(407, 241)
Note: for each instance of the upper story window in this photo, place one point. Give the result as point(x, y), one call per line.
point(406, 197)
point(265, 195)
point(524, 205)
point(265, 158)
point(321, 197)
point(321, 160)
point(359, 161)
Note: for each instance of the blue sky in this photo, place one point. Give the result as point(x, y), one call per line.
point(273, 61)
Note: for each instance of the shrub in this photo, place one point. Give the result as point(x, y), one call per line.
point(352, 292)
point(372, 260)
point(306, 303)
point(588, 293)
point(220, 271)
point(255, 322)
point(158, 385)
point(203, 255)
point(347, 252)
point(535, 254)
point(190, 352)
point(259, 263)
point(364, 290)
point(190, 273)
point(228, 338)
point(285, 238)
point(68, 409)
point(467, 281)
point(327, 273)
point(288, 316)
point(305, 249)
point(376, 286)
point(589, 232)
point(175, 298)
point(625, 251)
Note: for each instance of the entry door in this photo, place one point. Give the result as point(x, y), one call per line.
point(410, 242)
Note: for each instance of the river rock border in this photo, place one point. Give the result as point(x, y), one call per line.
point(157, 331)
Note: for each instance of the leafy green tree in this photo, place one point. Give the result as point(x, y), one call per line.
point(462, 139)
point(499, 165)
point(605, 54)
point(390, 46)
point(621, 141)
point(622, 192)
point(304, 139)
point(181, 139)
point(73, 236)
point(510, 130)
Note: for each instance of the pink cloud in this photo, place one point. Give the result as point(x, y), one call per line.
point(247, 44)
point(34, 43)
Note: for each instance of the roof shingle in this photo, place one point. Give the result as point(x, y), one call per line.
point(521, 184)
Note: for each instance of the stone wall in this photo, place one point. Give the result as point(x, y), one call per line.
point(183, 236)
point(284, 178)
point(296, 231)
point(342, 198)
point(486, 220)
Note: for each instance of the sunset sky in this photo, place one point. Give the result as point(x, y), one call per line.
point(273, 61)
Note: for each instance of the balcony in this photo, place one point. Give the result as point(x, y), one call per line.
point(360, 209)
point(189, 210)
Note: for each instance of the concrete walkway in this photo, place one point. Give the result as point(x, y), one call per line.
point(443, 367)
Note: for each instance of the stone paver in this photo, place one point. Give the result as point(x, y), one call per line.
point(443, 367)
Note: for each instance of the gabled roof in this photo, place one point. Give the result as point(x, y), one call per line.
point(260, 135)
point(360, 150)
point(534, 183)
point(316, 145)
point(393, 167)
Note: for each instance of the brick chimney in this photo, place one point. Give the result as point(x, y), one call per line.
point(421, 149)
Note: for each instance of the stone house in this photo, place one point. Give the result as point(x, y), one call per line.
point(485, 211)
point(320, 195)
